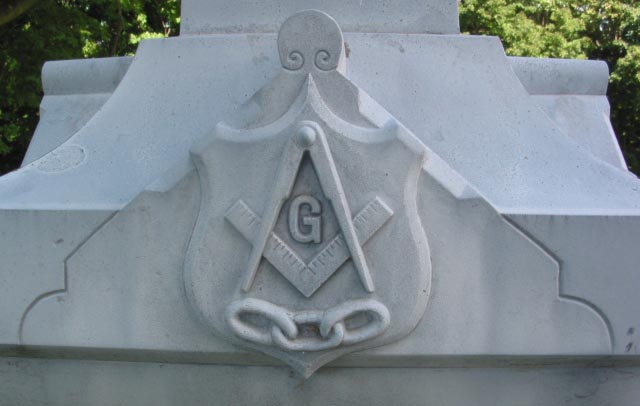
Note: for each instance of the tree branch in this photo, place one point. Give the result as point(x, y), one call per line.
point(12, 9)
point(117, 32)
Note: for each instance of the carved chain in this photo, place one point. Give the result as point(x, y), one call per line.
point(284, 326)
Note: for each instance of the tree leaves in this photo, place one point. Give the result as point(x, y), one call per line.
point(595, 29)
point(69, 29)
point(12, 9)
point(65, 29)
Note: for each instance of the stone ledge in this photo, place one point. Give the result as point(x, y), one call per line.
point(84, 76)
point(253, 16)
point(561, 76)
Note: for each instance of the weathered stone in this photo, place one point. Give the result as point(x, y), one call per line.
point(421, 199)
point(256, 16)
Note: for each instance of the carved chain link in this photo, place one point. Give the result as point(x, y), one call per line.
point(284, 326)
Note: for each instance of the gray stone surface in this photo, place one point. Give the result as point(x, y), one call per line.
point(561, 76)
point(504, 230)
point(54, 382)
point(594, 278)
point(74, 91)
point(361, 235)
point(573, 94)
point(256, 16)
point(517, 164)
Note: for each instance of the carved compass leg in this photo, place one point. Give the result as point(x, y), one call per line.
point(332, 187)
point(333, 197)
point(282, 190)
point(309, 138)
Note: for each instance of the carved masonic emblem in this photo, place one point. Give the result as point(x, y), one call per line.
point(309, 244)
point(308, 277)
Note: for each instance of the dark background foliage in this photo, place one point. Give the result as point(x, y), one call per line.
point(608, 30)
point(32, 32)
point(64, 29)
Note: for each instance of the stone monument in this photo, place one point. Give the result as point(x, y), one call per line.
point(321, 202)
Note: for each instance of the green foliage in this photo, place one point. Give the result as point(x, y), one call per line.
point(595, 29)
point(66, 29)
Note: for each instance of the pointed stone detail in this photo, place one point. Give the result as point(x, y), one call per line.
point(309, 277)
point(307, 181)
point(304, 155)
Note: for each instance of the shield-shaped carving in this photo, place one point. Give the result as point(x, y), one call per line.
point(308, 244)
